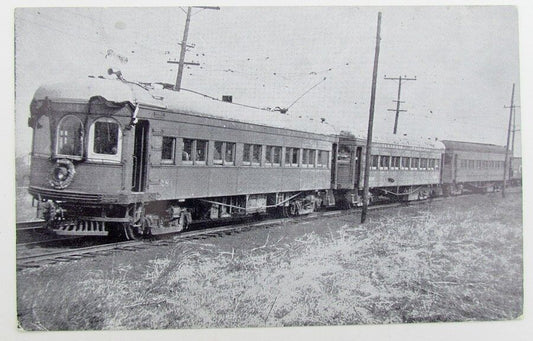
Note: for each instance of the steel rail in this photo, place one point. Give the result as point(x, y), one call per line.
point(78, 253)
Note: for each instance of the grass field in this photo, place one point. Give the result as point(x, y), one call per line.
point(454, 260)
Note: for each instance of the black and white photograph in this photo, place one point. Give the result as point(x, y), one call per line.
point(213, 167)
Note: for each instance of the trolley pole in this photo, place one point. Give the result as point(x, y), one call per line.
point(506, 162)
point(399, 79)
point(371, 122)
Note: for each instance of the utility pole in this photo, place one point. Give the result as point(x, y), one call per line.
point(506, 162)
point(184, 46)
point(514, 129)
point(371, 122)
point(399, 79)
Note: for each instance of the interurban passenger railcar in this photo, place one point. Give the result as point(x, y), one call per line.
point(515, 173)
point(473, 167)
point(112, 156)
point(400, 169)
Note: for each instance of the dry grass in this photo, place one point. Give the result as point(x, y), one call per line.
point(449, 261)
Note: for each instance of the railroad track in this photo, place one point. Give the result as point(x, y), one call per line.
point(48, 256)
point(56, 256)
point(30, 225)
point(28, 231)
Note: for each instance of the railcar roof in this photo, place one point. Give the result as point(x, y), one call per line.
point(419, 142)
point(473, 146)
point(118, 91)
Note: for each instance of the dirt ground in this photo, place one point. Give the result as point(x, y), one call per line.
point(458, 259)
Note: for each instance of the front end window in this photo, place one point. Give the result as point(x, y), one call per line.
point(105, 140)
point(70, 136)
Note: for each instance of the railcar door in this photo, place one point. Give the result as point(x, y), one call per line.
point(345, 166)
point(334, 166)
point(140, 156)
point(358, 153)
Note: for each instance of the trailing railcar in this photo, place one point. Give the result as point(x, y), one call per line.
point(472, 167)
point(401, 168)
point(515, 173)
point(114, 157)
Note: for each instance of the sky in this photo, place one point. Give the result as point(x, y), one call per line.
point(465, 60)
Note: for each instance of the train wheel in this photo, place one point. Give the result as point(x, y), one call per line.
point(294, 208)
point(183, 222)
point(131, 232)
point(285, 211)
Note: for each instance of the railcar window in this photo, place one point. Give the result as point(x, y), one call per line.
point(217, 154)
point(168, 150)
point(423, 163)
point(415, 162)
point(41, 137)
point(322, 159)
point(395, 162)
point(437, 162)
point(247, 154)
point(305, 157)
point(105, 137)
point(201, 152)
point(312, 157)
point(70, 136)
point(295, 157)
point(291, 157)
point(229, 158)
point(384, 162)
point(319, 162)
point(268, 156)
point(406, 161)
point(224, 153)
point(186, 154)
point(251, 154)
point(431, 163)
point(344, 154)
point(375, 162)
point(256, 156)
point(470, 163)
point(273, 155)
point(277, 156)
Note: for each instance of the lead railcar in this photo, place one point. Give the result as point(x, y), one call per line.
point(115, 157)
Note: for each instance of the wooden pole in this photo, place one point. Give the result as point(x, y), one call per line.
point(371, 123)
point(506, 162)
point(177, 87)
